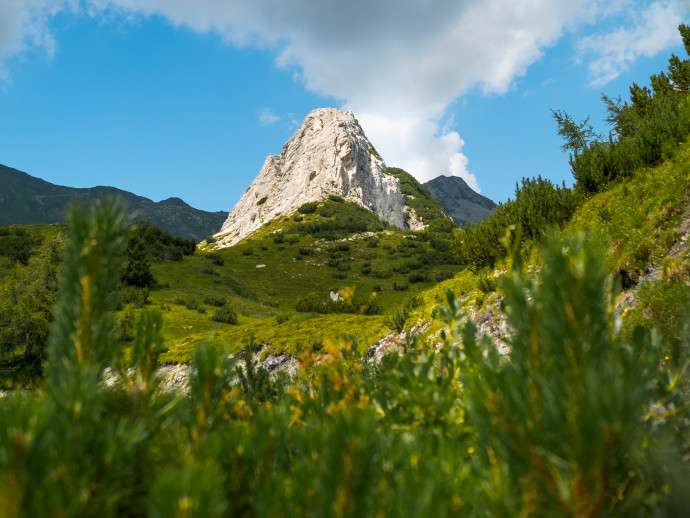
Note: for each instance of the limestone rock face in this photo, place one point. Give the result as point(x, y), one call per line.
point(328, 154)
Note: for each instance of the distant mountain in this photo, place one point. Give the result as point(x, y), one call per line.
point(459, 201)
point(25, 199)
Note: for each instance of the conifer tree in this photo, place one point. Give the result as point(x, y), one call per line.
point(138, 270)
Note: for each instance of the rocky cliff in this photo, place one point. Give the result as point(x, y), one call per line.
point(459, 201)
point(328, 155)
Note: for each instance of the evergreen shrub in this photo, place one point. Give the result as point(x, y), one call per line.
point(225, 315)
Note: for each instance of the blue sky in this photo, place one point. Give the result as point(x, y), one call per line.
point(187, 98)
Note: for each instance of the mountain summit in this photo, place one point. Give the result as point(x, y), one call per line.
point(459, 201)
point(328, 155)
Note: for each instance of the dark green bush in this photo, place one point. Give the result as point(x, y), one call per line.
point(383, 272)
point(441, 226)
point(340, 219)
point(308, 208)
point(160, 244)
point(215, 258)
point(419, 277)
point(215, 300)
point(262, 200)
point(538, 206)
point(18, 245)
point(444, 275)
point(225, 315)
point(239, 288)
point(191, 303)
point(133, 295)
point(138, 270)
point(359, 305)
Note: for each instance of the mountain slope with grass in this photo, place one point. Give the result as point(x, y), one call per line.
point(283, 279)
point(25, 199)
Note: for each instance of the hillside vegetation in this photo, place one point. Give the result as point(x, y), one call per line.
point(574, 421)
point(581, 409)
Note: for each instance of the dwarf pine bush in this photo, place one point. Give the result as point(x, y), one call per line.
point(574, 421)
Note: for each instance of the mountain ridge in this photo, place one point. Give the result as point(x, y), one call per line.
point(26, 199)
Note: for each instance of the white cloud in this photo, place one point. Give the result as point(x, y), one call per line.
point(23, 24)
point(266, 117)
point(397, 64)
point(647, 32)
point(419, 147)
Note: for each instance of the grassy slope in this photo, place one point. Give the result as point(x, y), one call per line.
point(635, 224)
point(265, 297)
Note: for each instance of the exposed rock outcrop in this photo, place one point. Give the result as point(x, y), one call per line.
point(328, 155)
point(459, 201)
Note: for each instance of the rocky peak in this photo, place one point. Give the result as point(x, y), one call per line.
point(328, 155)
point(459, 200)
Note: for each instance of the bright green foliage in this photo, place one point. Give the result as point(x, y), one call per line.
point(647, 130)
point(635, 221)
point(566, 424)
point(396, 321)
point(27, 297)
